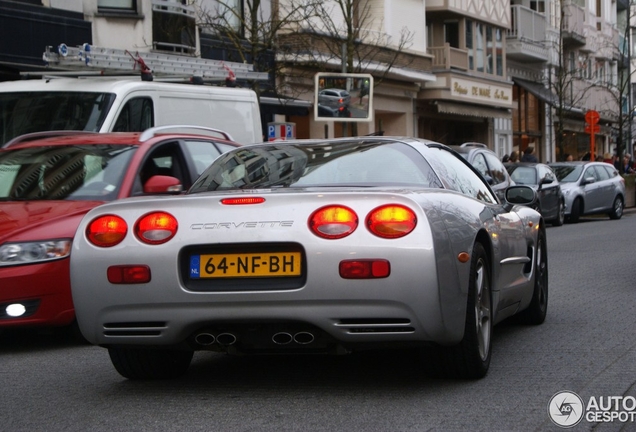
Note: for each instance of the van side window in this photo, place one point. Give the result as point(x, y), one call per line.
point(136, 116)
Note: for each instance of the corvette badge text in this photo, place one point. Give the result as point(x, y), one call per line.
point(234, 225)
point(566, 409)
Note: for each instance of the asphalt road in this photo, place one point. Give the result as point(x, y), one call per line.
point(586, 345)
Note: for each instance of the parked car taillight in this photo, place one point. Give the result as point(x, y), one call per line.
point(106, 231)
point(391, 221)
point(333, 222)
point(156, 228)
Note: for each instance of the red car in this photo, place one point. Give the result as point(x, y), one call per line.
point(48, 184)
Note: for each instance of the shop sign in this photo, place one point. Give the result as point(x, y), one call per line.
point(474, 91)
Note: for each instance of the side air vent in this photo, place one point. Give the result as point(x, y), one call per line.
point(152, 328)
point(375, 325)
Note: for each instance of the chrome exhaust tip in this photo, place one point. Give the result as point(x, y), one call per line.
point(303, 338)
point(282, 338)
point(226, 339)
point(205, 339)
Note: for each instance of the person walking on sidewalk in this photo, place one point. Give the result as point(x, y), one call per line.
point(528, 155)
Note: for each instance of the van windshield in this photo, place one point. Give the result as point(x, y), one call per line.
point(27, 112)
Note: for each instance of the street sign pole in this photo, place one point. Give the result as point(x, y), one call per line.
point(592, 127)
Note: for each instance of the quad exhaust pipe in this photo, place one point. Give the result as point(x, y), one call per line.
point(206, 339)
point(280, 338)
point(301, 338)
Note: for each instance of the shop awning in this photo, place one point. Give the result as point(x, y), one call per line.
point(471, 110)
point(538, 90)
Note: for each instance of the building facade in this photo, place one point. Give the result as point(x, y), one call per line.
point(508, 73)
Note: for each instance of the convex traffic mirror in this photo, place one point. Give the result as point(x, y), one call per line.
point(343, 97)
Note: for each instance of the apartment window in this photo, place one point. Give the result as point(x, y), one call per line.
point(120, 6)
point(479, 47)
point(538, 6)
point(451, 33)
point(489, 50)
point(484, 44)
point(231, 11)
point(173, 26)
point(499, 51)
point(469, 44)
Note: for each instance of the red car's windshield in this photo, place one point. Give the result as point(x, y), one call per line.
point(92, 172)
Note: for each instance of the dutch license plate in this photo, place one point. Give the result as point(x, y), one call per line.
point(269, 264)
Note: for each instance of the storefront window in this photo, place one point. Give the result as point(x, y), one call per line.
point(527, 121)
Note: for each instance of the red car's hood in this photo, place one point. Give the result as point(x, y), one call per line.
point(41, 220)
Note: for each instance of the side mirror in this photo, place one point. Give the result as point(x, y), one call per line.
point(523, 195)
point(163, 185)
point(343, 97)
point(588, 180)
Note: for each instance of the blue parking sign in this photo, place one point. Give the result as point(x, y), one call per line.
point(290, 132)
point(271, 131)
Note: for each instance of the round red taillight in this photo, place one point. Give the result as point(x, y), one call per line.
point(106, 231)
point(391, 221)
point(156, 228)
point(333, 222)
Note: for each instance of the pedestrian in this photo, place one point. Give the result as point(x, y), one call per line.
point(569, 157)
point(505, 159)
point(528, 155)
point(627, 165)
point(514, 157)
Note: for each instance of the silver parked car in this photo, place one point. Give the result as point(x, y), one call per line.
point(334, 98)
point(316, 246)
point(590, 188)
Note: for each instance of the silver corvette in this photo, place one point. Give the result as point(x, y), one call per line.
point(317, 246)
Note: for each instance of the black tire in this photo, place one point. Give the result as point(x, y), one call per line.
point(617, 208)
point(577, 209)
point(560, 216)
point(535, 313)
point(470, 359)
point(146, 364)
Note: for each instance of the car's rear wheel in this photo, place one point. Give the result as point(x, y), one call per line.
point(470, 358)
point(617, 208)
point(577, 209)
point(558, 221)
point(139, 363)
point(535, 313)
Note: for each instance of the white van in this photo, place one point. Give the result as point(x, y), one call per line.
point(106, 104)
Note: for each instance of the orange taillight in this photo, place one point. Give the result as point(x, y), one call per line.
point(333, 222)
point(391, 221)
point(106, 231)
point(156, 228)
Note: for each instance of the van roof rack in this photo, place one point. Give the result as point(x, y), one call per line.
point(108, 61)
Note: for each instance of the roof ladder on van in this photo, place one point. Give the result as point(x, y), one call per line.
point(108, 61)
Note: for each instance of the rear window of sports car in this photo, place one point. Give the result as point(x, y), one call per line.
point(342, 164)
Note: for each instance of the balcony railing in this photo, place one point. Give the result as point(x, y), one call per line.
point(573, 23)
point(527, 24)
point(526, 40)
point(446, 57)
